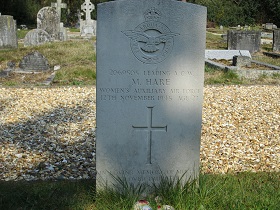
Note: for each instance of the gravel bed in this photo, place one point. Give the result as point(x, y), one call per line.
point(48, 133)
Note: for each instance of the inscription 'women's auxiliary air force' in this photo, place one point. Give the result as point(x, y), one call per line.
point(151, 41)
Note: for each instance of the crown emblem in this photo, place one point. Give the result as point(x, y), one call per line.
point(152, 14)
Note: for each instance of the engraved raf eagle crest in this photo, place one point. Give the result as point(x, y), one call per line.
point(151, 41)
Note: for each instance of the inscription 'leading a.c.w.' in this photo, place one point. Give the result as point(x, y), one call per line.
point(152, 41)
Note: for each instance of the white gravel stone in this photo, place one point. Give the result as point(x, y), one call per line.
point(49, 133)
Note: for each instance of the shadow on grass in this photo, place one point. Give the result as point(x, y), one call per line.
point(47, 195)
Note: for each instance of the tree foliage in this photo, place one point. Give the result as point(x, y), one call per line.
point(222, 12)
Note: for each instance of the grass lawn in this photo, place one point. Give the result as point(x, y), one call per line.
point(240, 191)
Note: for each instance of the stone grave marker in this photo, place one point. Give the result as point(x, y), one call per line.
point(8, 32)
point(34, 62)
point(49, 21)
point(62, 33)
point(36, 37)
point(59, 5)
point(244, 40)
point(276, 40)
point(241, 61)
point(150, 72)
point(87, 26)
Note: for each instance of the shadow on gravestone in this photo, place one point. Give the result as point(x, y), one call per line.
point(150, 67)
point(8, 32)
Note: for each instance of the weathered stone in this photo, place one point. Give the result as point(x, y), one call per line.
point(244, 40)
point(58, 6)
point(49, 21)
point(150, 67)
point(34, 61)
point(87, 26)
point(8, 32)
point(36, 37)
point(276, 40)
point(241, 61)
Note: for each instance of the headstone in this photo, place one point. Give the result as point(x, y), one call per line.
point(150, 67)
point(62, 33)
point(276, 40)
point(79, 15)
point(241, 61)
point(36, 37)
point(88, 26)
point(8, 32)
point(34, 62)
point(59, 5)
point(244, 40)
point(49, 21)
point(269, 26)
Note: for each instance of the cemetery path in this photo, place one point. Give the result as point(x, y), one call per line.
point(49, 133)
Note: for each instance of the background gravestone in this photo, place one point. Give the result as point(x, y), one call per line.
point(276, 40)
point(244, 40)
point(36, 37)
point(150, 68)
point(87, 26)
point(58, 6)
point(62, 35)
point(48, 20)
point(8, 32)
point(34, 61)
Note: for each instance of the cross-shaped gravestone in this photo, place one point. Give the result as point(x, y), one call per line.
point(150, 128)
point(59, 6)
point(87, 7)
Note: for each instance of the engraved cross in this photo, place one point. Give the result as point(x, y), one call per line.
point(150, 128)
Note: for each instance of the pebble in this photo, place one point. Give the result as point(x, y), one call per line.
point(49, 133)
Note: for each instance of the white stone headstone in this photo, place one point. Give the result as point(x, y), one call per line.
point(87, 7)
point(8, 32)
point(150, 73)
point(49, 21)
point(87, 26)
point(36, 37)
point(59, 5)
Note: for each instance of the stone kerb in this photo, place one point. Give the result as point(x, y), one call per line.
point(36, 37)
point(244, 40)
point(8, 32)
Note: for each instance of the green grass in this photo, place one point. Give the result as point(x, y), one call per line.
point(214, 41)
point(76, 58)
point(218, 76)
point(21, 33)
point(240, 191)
